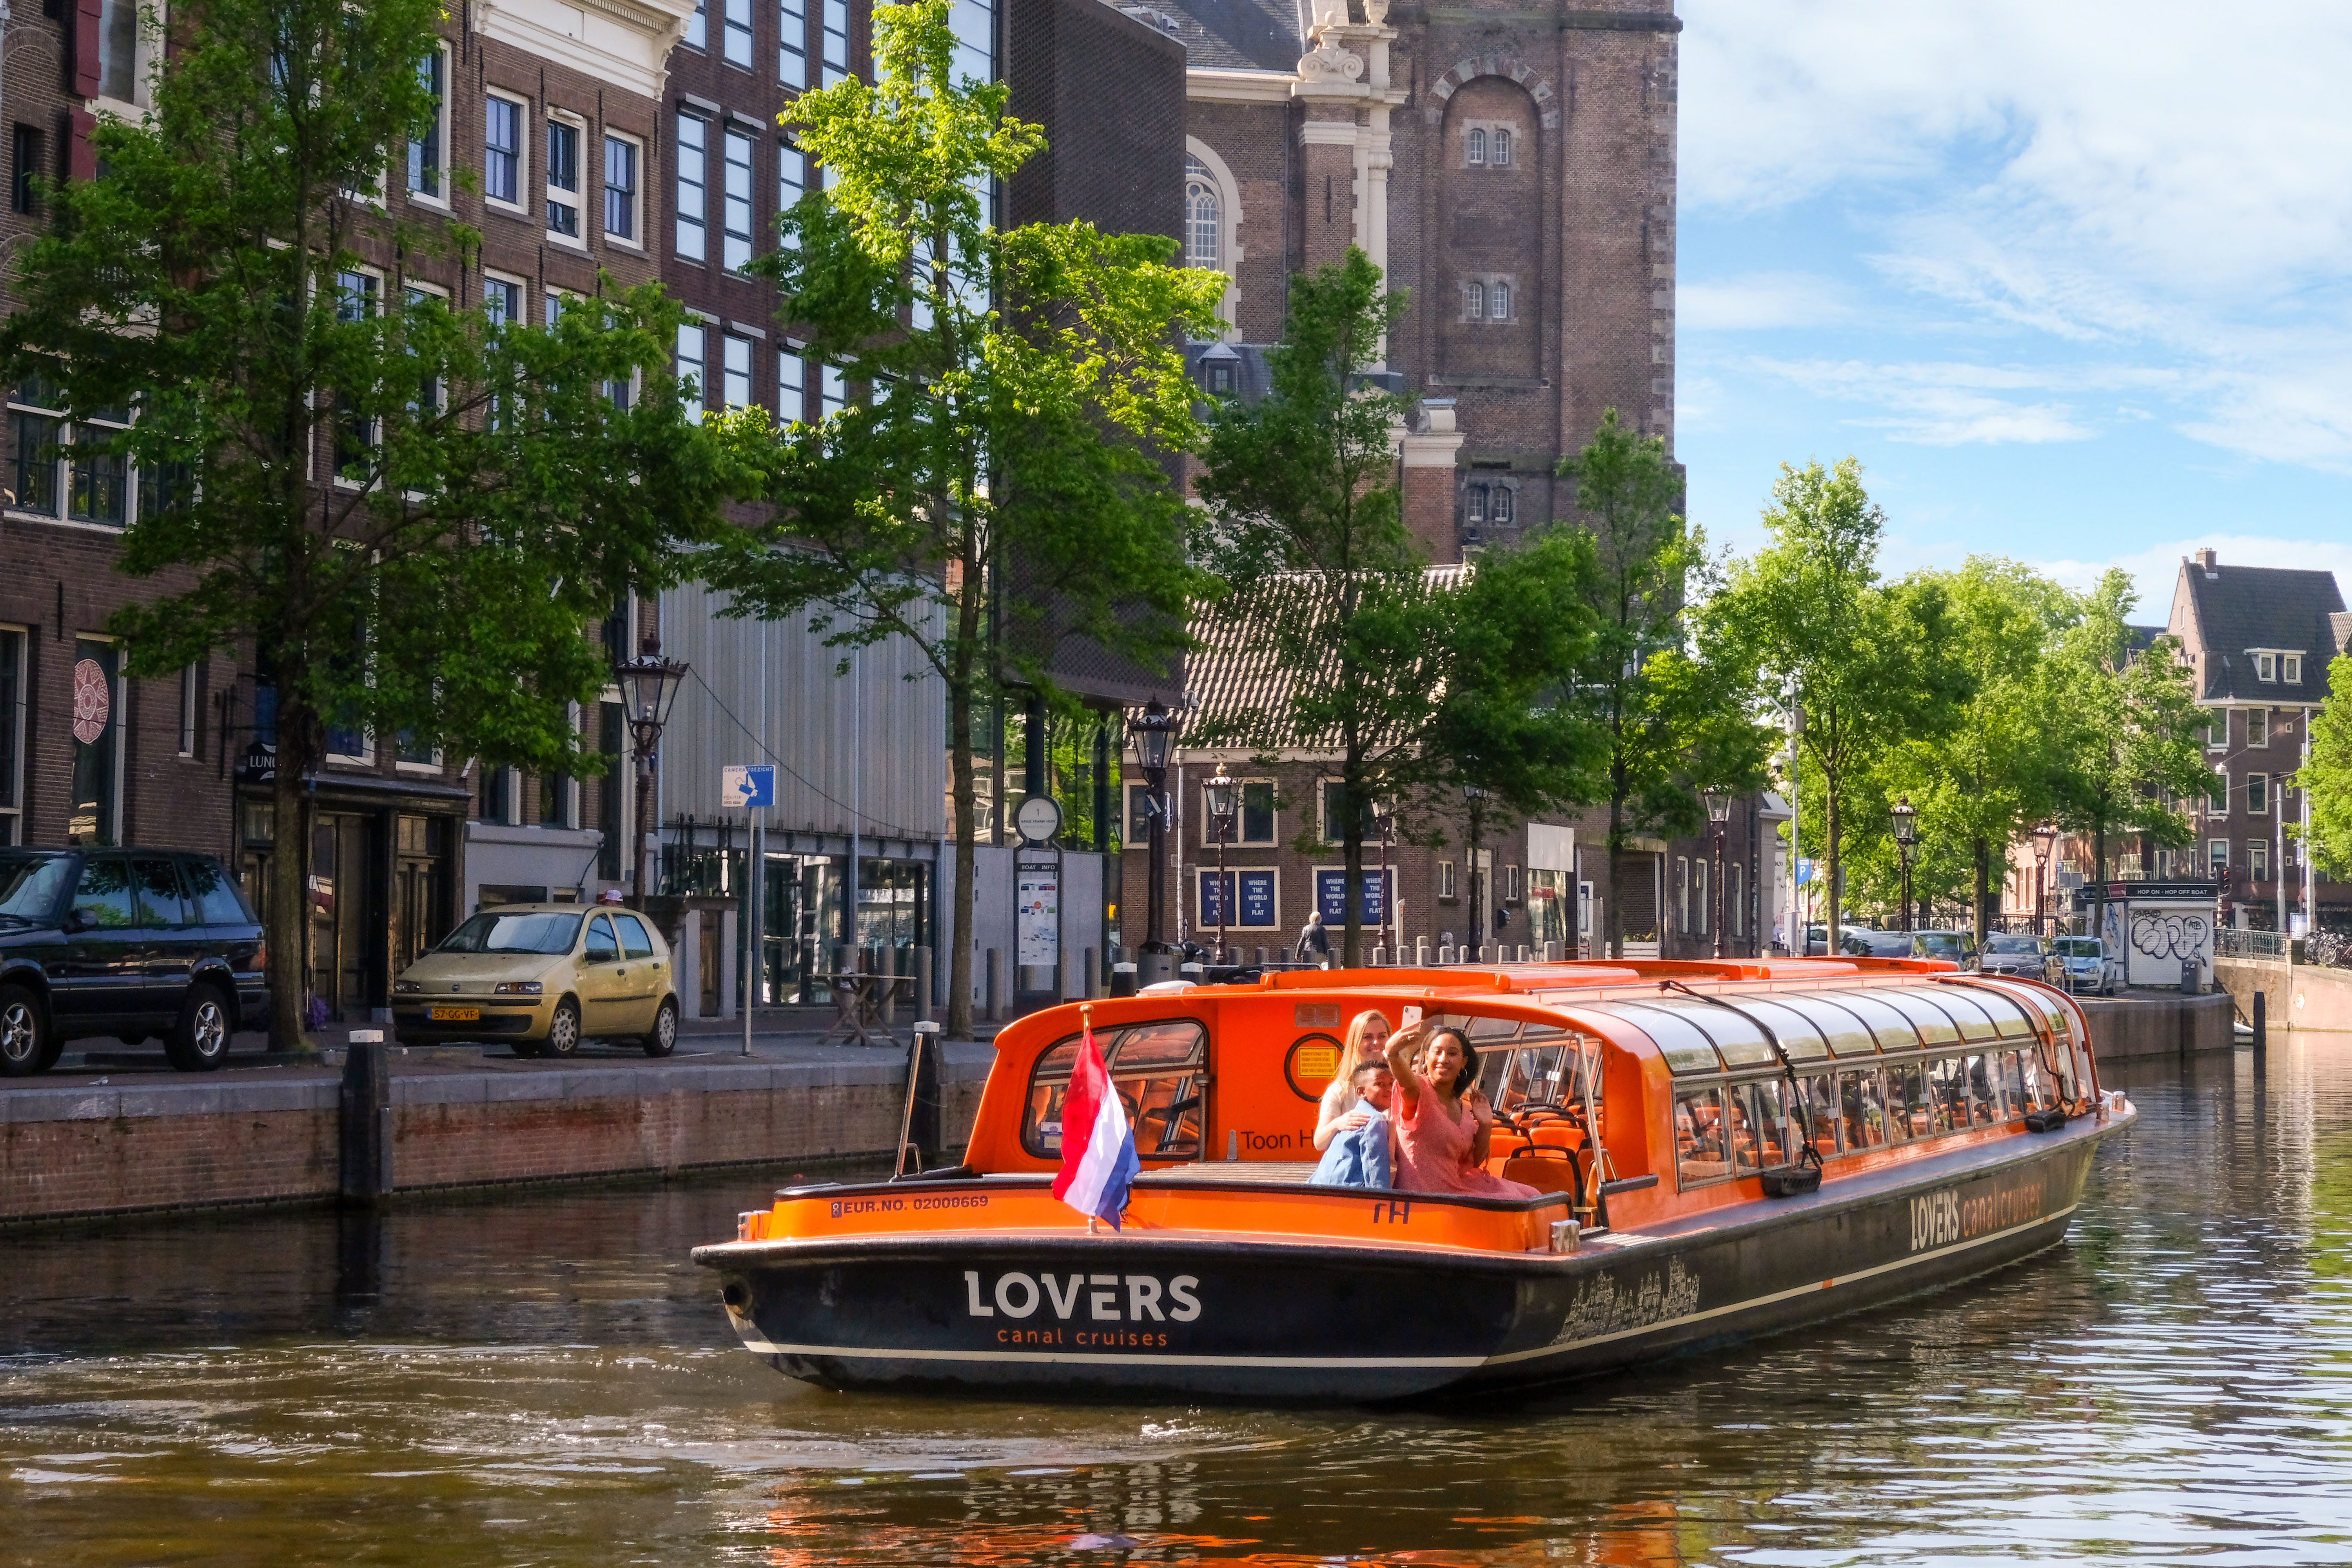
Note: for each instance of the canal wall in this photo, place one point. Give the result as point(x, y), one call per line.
point(2160, 1024)
point(2294, 997)
point(182, 1143)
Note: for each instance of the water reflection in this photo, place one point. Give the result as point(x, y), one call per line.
point(545, 1379)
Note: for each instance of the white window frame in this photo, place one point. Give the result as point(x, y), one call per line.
point(2258, 795)
point(524, 120)
point(382, 298)
point(1499, 157)
point(521, 315)
point(2258, 860)
point(1204, 875)
point(1474, 147)
point(142, 59)
point(699, 400)
point(2265, 666)
point(2217, 730)
point(1498, 299)
point(1445, 882)
point(695, 247)
point(2258, 727)
point(440, 136)
point(2217, 856)
point(634, 238)
point(2217, 804)
point(2291, 668)
point(576, 198)
point(1474, 299)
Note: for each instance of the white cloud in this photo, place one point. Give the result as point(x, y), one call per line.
point(2155, 569)
point(2118, 177)
point(1760, 300)
point(1954, 403)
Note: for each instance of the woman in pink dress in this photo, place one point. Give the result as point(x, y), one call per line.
point(1443, 1123)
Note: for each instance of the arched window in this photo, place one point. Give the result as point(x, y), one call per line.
point(1473, 504)
point(1477, 146)
point(1204, 217)
point(1473, 301)
point(1499, 305)
point(1500, 508)
point(1502, 148)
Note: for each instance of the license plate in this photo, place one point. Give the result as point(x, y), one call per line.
point(457, 1014)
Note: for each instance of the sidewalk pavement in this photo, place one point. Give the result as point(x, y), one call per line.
point(784, 1035)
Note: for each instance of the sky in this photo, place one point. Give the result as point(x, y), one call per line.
point(2073, 281)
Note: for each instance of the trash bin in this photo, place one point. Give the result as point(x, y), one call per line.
point(2192, 975)
point(1122, 980)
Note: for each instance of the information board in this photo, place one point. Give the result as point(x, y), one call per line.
point(1331, 895)
point(1037, 916)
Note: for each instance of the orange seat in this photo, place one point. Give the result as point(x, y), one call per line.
point(1546, 1173)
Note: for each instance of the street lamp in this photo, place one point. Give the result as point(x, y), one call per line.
point(2045, 836)
point(1384, 818)
point(1220, 822)
point(1719, 819)
point(1154, 731)
point(1906, 839)
point(1475, 799)
point(648, 686)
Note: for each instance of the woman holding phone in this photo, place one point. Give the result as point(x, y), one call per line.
point(1443, 1124)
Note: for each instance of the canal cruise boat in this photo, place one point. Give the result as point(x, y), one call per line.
point(1720, 1150)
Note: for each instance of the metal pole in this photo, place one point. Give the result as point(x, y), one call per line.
point(1156, 873)
point(2278, 859)
point(645, 821)
point(849, 934)
point(754, 873)
point(1797, 946)
point(1718, 889)
point(1223, 891)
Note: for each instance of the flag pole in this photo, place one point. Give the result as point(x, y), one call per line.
point(1087, 1023)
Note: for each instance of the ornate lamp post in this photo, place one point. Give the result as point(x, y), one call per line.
point(1154, 731)
point(1221, 823)
point(2045, 836)
point(1718, 823)
point(1475, 799)
point(648, 686)
point(1906, 840)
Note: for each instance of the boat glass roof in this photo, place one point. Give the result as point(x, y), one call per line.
point(1799, 1037)
point(1931, 1023)
point(1684, 1047)
point(1976, 1023)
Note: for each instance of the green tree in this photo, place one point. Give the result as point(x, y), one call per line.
point(1672, 714)
point(1415, 682)
point(2328, 774)
point(1870, 661)
point(411, 513)
point(996, 485)
point(2128, 730)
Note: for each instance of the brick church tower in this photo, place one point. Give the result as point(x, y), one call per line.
point(1512, 168)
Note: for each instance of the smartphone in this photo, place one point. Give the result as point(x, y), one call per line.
point(1411, 1016)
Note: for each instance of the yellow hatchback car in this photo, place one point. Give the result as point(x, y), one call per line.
point(545, 977)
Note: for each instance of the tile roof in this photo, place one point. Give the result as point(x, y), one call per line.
point(1236, 35)
point(2234, 608)
point(1235, 677)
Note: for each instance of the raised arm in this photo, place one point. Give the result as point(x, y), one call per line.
point(1403, 1046)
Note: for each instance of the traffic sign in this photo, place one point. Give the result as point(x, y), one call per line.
point(742, 787)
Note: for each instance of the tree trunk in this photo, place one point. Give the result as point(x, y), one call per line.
point(1351, 946)
point(2099, 851)
point(1983, 903)
point(287, 931)
point(958, 1018)
point(1829, 827)
point(1616, 917)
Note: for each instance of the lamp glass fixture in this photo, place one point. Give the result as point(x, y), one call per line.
point(1221, 794)
point(1154, 731)
point(1718, 807)
point(652, 683)
point(1907, 822)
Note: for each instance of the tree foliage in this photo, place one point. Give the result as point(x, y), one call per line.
point(1871, 662)
point(1673, 716)
point(408, 510)
point(2328, 774)
point(1417, 683)
point(996, 485)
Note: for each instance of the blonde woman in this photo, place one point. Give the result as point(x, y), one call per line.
point(1336, 1112)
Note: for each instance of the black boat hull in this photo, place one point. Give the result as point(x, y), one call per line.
point(1146, 1315)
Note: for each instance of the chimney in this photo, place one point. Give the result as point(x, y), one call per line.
point(2207, 559)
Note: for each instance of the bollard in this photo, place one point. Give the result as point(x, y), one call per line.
point(1093, 975)
point(1444, 956)
point(2262, 1025)
point(1421, 952)
point(1486, 951)
point(1552, 953)
point(1523, 952)
point(1263, 960)
point(993, 988)
point(923, 985)
point(918, 1127)
point(1122, 979)
point(887, 962)
point(1380, 958)
point(365, 1126)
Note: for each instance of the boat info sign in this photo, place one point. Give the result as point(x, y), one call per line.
point(1037, 914)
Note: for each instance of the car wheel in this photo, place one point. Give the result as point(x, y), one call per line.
point(664, 1038)
point(199, 1041)
point(562, 1030)
point(24, 1050)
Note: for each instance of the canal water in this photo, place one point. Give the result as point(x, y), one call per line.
point(545, 1379)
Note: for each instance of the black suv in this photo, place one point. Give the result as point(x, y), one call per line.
point(128, 942)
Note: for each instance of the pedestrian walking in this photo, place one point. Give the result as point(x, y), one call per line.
point(1314, 941)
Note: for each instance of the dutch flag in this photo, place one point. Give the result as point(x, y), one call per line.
point(1098, 1147)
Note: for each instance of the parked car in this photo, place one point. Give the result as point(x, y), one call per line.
point(129, 943)
point(2015, 953)
point(544, 977)
point(2087, 966)
point(1862, 943)
point(1953, 946)
point(1816, 938)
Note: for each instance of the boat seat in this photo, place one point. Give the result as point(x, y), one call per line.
point(1545, 1172)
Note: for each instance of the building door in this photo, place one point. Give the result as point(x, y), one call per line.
point(419, 888)
point(341, 889)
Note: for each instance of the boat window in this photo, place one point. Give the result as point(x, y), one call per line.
point(1894, 1032)
point(2033, 1088)
point(1861, 1104)
point(1685, 1049)
point(1907, 1101)
point(1698, 1135)
point(1968, 1011)
point(1485, 1030)
point(1817, 1102)
point(1839, 1028)
point(1768, 1109)
point(1984, 1091)
point(1155, 1068)
point(1933, 1025)
point(1948, 1095)
point(1800, 1036)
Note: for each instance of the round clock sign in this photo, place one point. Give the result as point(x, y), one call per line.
point(1038, 819)
point(92, 701)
